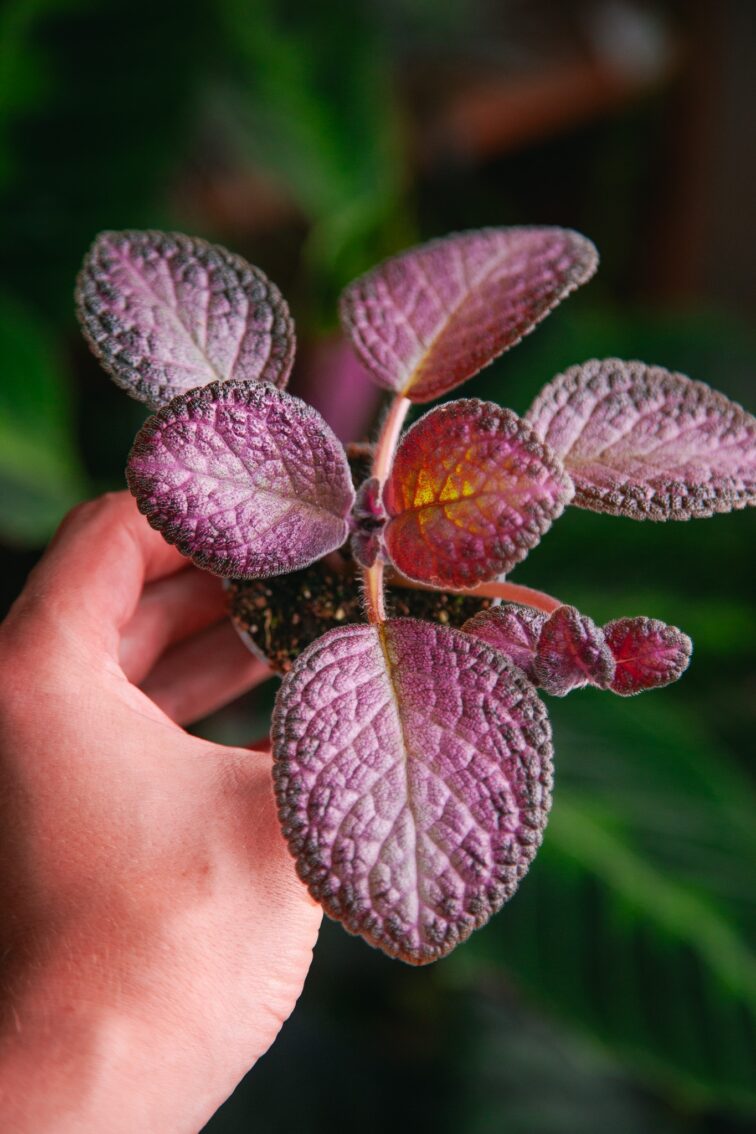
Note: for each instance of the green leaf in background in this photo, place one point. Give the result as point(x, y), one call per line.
point(634, 922)
point(100, 100)
point(24, 79)
point(40, 472)
point(313, 105)
point(525, 1075)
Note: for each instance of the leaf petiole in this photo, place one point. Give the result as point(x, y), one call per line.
point(382, 458)
point(389, 437)
point(510, 592)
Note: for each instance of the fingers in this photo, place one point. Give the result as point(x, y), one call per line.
point(170, 610)
point(90, 579)
point(203, 673)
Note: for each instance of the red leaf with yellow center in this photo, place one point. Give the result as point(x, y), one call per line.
point(471, 491)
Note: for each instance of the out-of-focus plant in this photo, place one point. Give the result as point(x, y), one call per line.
point(313, 103)
point(40, 471)
point(90, 128)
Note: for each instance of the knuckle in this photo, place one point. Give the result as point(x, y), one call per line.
point(89, 510)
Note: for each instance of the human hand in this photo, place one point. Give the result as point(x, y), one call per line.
point(154, 933)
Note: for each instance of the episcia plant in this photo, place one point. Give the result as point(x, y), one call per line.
point(412, 753)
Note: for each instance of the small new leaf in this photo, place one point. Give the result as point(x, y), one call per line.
point(642, 442)
point(572, 653)
point(428, 319)
point(165, 313)
point(412, 766)
point(471, 491)
point(245, 479)
point(512, 629)
point(368, 519)
point(647, 653)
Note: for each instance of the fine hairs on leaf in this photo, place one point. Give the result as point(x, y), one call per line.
point(567, 650)
point(572, 652)
point(412, 756)
point(414, 791)
point(243, 478)
point(470, 491)
point(428, 319)
point(165, 313)
point(642, 442)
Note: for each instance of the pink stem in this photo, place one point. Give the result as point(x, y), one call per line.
point(386, 446)
point(512, 592)
point(374, 595)
point(382, 458)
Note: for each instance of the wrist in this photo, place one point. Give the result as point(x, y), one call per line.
point(87, 1046)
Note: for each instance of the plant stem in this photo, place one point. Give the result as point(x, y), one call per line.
point(384, 455)
point(512, 592)
point(374, 596)
point(389, 436)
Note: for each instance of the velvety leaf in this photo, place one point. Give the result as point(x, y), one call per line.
point(647, 653)
point(244, 479)
point(278, 617)
point(165, 313)
point(428, 319)
point(512, 629)
point(431, 318)
point(572, 653)
point(412, 766)
point(644, 442)
point(470, 492)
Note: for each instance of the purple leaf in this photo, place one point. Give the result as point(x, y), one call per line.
point(165, 313)
point(412, 766)
point(428, 319)
point(642, 442)
point(572, 653)
point(245, 479)
point(648, 654)
point(470, 492)
point(512, 629)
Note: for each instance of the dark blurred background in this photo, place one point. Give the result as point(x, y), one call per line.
point(617, 990)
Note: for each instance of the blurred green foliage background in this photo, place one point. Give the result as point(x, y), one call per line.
point(618, 990)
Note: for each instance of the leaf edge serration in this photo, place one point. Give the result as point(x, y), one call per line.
point(165, 414)
point(90, 322)
point(307, 864)
point(350, 326)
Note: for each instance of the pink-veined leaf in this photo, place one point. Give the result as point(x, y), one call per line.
point(428, 319)
point(512, 629)
point(412, 766)
point(643, 442)
point(165, 313)
point(571, 653)
point(472, 489)
point(245, 479)
point(647, 653)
